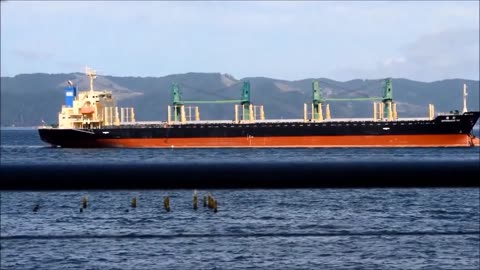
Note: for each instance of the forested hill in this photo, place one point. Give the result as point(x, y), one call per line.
point(27, 99)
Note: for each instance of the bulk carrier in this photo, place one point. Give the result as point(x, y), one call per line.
point(91, 118)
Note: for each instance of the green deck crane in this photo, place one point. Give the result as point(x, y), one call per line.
point(386, 99)
point(178, 102)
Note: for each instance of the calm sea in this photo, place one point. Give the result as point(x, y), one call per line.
point(276, 229)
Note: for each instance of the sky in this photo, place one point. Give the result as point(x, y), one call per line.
point(288, 40)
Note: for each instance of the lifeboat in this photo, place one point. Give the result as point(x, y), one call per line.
point(87, 108)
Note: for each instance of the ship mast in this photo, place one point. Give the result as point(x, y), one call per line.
point(92, 75)
point(464, 98)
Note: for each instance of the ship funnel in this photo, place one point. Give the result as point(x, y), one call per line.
point(70, 93)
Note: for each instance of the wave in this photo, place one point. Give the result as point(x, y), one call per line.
point(25, 146)
point(254, 235)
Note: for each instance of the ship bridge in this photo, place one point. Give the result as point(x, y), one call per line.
point(91, 108)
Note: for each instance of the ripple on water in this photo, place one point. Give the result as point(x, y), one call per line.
point(320, 234)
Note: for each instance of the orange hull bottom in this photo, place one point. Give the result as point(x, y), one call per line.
point(456, 140)
point(476, 141)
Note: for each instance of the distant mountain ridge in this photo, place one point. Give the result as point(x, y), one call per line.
point(29, 99)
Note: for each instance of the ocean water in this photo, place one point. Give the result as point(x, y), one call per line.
point(25, 147)
point(409, 228)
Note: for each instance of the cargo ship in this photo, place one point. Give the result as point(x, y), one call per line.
point(90, 118)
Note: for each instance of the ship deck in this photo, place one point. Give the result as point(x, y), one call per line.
point(203, 122)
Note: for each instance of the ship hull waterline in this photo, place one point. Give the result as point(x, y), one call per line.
point(443, 131)
point(348, 141)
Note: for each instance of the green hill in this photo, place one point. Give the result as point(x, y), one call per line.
point(27, 99)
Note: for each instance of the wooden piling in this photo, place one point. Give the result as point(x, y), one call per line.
point(195, 200)
point(134, 202)
point(210, 202)
point(84, 202)
point(166, 203)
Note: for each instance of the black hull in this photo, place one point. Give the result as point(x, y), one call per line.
point(442, 125)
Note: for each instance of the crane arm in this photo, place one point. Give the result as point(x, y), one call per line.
point(212, 101)
point(353, 99)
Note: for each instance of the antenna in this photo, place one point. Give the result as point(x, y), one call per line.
point(92, 74)
point(465, 98)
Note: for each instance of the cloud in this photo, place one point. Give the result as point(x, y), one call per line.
point(71, 66)
point(436, 56)
point(441, 55)
point(284, 39)
point(32, 54)
point(393, 61)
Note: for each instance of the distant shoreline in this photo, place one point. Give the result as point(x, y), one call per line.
point(19, 128)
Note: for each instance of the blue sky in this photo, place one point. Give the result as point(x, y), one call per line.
point(289, 40)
